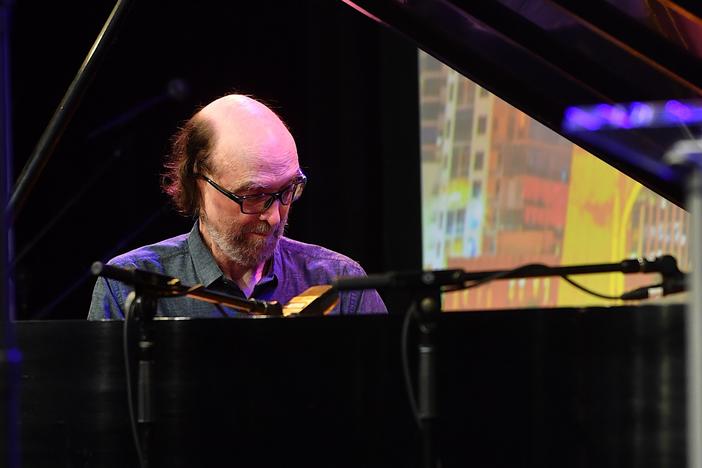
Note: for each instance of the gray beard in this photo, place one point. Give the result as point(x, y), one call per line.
point(243, 249)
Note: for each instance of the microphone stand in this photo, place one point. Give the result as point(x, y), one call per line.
point(426, 306)
point(142, 305)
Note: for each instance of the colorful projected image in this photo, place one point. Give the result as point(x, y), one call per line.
point(500, 190)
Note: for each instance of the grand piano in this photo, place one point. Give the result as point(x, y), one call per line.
point(590, 386)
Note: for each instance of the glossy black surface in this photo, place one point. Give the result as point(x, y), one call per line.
point(543, 56)
point(546, 388)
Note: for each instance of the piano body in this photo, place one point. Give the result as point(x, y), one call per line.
point(553, 387)
point(543, 387)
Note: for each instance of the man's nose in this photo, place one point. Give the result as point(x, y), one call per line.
point(272, 214)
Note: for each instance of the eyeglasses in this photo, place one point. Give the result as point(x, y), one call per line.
point(260, 202)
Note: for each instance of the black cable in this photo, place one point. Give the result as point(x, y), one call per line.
point(130, 398)
point(493, 277)
point(404, 338)
point(523, 268)
point(590, 291)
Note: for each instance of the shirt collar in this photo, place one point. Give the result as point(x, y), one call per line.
point(206, 268)
point(277, 271)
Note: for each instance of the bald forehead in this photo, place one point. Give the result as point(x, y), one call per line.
point(249, 138)
point(237, 107)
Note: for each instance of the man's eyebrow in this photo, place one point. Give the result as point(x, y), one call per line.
point(256, 187)
point(248, 187)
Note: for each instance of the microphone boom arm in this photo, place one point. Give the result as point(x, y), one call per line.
point(167, 286)
point(453, 280)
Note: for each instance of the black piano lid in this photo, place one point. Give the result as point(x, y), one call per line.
point(544, 56)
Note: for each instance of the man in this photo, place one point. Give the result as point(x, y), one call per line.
point(234, 166)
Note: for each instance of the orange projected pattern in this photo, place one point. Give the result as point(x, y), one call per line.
point(500, 190)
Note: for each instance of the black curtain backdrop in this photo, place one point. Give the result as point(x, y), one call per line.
point(346, 87)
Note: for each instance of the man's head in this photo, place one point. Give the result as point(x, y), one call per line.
point(244, 148)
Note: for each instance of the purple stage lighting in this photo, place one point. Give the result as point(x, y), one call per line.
point(632, 115)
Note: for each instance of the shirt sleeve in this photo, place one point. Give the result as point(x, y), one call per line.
point(370, 302)
point(107, 302)
point(363, 302)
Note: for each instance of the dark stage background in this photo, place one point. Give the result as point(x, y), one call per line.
point(345, 86)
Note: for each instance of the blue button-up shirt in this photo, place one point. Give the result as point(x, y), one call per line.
point(295, 267)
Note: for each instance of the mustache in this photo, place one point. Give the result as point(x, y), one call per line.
point(260, 228)
point(265, 228)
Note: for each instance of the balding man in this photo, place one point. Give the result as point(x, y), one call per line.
point(234, 166)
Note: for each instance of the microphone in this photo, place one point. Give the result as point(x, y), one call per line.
point(670, 285)
point(137, 277)
point(674, 281)
point(665, 265)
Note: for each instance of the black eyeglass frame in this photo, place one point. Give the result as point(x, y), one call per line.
point(301, 179)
